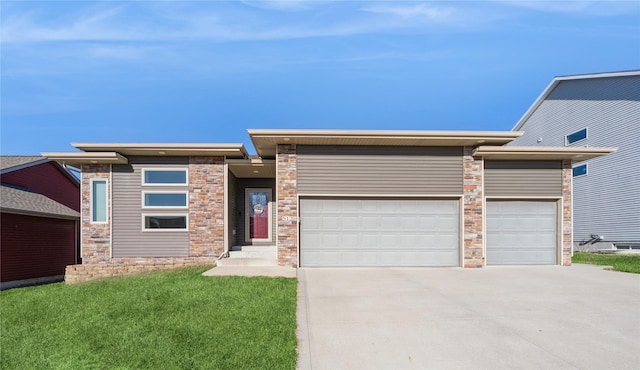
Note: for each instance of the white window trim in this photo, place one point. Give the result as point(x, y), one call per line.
point(145, 169)
point(586, 136)
point(186, 193)
point(586, 172)
point(91, 195)
point(185, 215)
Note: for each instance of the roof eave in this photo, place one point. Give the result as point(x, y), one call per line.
point(233, 150)
point(265, 140)
point(79, 158)
point(576, 154)
point(23, 212)
point(24, 165)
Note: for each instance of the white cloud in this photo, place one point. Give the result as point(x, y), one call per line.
point(223, 23)
point(288, 5)
point(420, 11)
point(118, 52)
point(94, 25)
point(594, 7)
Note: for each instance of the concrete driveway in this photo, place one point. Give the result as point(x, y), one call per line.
point(543, 317)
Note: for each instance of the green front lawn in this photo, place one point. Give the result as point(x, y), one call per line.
point(169, 320)
point(619, 262)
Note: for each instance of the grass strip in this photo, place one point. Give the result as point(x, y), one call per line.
point(619, 262)
point(170, 320)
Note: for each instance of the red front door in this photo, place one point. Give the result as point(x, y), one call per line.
point(258, 213)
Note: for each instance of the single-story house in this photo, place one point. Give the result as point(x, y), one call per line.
point(331, 198)
point(40, 219)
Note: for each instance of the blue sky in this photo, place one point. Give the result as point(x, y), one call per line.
point(205, 71)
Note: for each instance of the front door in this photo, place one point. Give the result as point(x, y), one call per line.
point(258, 215)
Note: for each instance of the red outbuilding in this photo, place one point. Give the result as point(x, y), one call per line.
point(39, 232)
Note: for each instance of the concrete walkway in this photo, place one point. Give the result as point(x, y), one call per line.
point(544, 317)
point(271, 271)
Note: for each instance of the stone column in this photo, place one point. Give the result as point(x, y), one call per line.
point(567, 212)
point(287, 205)
point(206, 206)
point(96, 237)
point(473, 211)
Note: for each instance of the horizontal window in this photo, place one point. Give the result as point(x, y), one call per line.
point(576, 136)
point(628, 246)
point(164, 177)
point(580, 170)
point(165, 222)
point(165, 199)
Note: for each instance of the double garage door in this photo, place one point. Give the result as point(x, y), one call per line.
point(367, 232)
point(379, 232)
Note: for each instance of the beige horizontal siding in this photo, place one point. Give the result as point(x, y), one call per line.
point(128, 238)
point(379, 170)
point(523, 178)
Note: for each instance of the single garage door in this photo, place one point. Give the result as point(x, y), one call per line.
point(522, 232)
point(379, 232)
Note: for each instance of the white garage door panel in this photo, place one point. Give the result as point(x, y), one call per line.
point(379, 232)
point(522, 233)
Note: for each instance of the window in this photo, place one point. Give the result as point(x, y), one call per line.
point(576, 136)
point(164, 176)
point(164, 190)
point(165, 200)
point(98, 201)
point(580, 170)
point(628, 246)
point(165, 222)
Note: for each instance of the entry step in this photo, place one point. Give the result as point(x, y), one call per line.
point(253, 252)
point(234, 261)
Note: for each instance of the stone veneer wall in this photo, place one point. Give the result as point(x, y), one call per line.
point(473, 210)
point(123, 267)
point(567, 212)
point(96, 238)
point(287, 205)
point(206, 206)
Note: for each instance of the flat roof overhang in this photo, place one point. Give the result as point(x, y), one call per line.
point(252, 168)
point(77, 158)
point(167, 149)
point(575, 154)
point(266, 141)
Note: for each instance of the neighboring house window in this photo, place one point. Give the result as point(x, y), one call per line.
point(98, 201)
point(164, 177)
point(580, 170)
point(628, 246)
point(576, 136)
point(165, 222)
point(164, 200)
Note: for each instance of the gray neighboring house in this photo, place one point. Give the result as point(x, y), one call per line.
point(593, 110)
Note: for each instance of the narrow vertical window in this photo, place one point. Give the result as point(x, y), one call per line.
point(99, 201)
